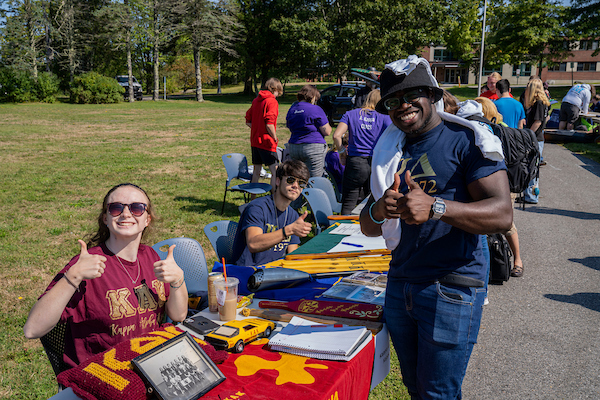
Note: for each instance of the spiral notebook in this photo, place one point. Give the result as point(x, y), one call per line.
point(325, 342)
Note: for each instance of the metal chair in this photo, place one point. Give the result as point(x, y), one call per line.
point(221, 235)
point(320, 207)
point(189, 255)
point(236, 166)
point(325, 185)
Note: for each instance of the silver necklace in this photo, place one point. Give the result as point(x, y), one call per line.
point(124, 269)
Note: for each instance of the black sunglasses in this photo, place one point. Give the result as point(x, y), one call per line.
point(136, 209)
point(291, 179)
point(409, 97)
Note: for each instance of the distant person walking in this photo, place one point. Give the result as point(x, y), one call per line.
point(261, 117)
point(364, 126)
point(577, 100)
point(309, 125)
point(512, 110)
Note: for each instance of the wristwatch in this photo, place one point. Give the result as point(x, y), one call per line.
point(438, 208)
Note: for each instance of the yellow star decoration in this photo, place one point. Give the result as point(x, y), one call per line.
point(291, 368)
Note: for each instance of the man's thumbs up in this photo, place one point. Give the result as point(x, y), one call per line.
point(410, 183)
point(303, 216)
point(396, 184)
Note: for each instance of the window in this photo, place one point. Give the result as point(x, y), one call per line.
point(586, 66)
point(488, 70)
point(524, 69)
point(588, 44)
point(453, 75)
point(559, 67)
point(443, 55)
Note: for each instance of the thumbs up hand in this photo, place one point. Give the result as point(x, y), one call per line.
point(299, 227)
point(167, 270)
point(88, 266)
point(415, 206)
point(387, 206)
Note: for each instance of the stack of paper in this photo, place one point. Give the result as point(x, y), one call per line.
point(325, 342)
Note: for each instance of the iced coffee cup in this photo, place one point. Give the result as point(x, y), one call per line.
point(227, 291)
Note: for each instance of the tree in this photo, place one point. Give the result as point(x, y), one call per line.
point(208, 26)
point(584, 17)
point(530, 31)
point(23, 35)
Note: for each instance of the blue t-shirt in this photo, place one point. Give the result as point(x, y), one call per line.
point(364, 127)
point(443, 161)
point(304, 120)
point(512, 111)
point(262, 213)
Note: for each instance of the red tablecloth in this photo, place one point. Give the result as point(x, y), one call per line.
point(260, 374)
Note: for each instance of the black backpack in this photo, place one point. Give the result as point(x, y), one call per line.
point(521, 153)
point(500, 258)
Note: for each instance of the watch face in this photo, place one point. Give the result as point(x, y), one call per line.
point(439, 207)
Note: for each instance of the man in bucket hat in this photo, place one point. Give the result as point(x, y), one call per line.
point(438, 182)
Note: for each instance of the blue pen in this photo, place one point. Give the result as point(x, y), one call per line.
point(353, 244)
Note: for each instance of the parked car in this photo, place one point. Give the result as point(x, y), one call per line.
point(337, 99)
point(137, 88)
point(234, 335)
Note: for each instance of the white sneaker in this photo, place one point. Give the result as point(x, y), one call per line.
point(486, 301)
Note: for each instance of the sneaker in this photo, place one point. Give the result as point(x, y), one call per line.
point(543, 163)
point(486, 301)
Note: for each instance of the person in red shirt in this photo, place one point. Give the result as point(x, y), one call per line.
point(117, 288)
point(491, 85)
point(261, 117)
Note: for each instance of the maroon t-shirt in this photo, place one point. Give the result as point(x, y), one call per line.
point(112, 308)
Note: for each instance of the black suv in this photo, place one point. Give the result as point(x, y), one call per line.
point(137, 88)
point(337, 99)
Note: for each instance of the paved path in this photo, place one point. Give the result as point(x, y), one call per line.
point(540, 334)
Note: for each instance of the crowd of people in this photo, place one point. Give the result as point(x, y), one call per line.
point(435, 181)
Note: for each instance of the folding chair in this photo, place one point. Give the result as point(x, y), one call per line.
point(320, 207)
point(236, 166)
point(221, 235)
point(189, 255)
point(325, 185)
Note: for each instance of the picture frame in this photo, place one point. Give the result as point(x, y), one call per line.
point(178, 369)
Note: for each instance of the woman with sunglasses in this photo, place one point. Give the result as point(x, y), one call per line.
point(116, 288)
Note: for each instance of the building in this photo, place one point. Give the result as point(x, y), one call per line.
point(580, 67)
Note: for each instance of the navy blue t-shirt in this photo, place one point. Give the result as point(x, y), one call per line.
point(443, 161)
point(262, 213)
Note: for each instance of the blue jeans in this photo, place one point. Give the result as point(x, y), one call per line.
point(433, 334)
point(486, 254)
point(529, 194)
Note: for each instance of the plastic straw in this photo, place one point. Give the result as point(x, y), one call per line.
point(224, 269)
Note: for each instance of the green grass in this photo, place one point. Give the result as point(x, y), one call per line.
point(58, 162)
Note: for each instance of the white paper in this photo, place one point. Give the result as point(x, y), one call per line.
point(346, 229)
point(359, 242)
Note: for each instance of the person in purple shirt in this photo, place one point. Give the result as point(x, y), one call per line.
point(309, 125)
point(364, 126)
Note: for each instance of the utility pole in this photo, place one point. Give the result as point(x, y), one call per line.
point(481, 49)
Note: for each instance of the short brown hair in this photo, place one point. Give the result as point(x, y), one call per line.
point(294, 168)
point(309, 93)
point(273, 85)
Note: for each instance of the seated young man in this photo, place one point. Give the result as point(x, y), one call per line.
point(269, 228)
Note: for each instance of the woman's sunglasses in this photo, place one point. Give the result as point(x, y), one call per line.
point(136, 209)
point(409, 97)
point(291, 179)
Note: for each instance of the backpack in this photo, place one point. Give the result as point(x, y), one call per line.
point(500, 258)
point(521, 153)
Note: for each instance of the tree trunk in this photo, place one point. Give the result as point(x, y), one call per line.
point(128, 47)
point(156, 89)
point(199, 97)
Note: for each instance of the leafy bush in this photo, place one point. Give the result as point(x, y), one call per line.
point(46, 87)
point(93, 88)
point(15, 86)
point(19, 86)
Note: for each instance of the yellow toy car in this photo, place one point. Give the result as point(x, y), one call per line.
point(234, 335)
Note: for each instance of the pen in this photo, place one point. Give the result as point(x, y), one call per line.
point(353, 244)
